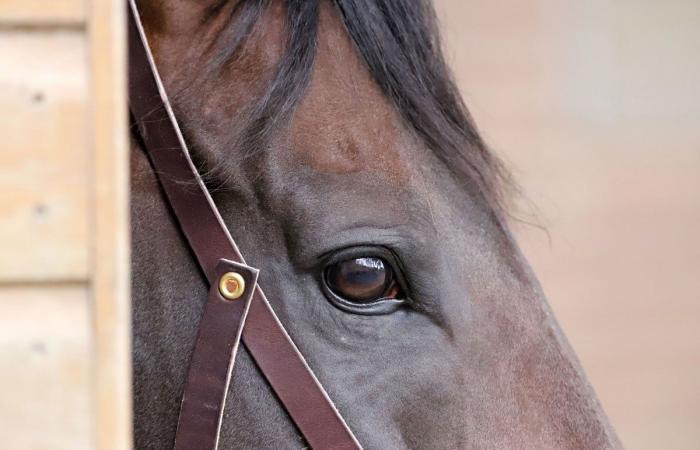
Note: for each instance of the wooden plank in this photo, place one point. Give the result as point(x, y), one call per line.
point(45, 360)
point(43, 232)
point(110, 233)
point(42, 12)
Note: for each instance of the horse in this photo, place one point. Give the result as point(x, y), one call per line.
point(336, 145)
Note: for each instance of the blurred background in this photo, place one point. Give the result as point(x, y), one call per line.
point(595, 105)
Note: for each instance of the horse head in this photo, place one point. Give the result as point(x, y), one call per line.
point(347, 168)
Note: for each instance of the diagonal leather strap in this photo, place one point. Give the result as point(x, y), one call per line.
point(212, 361)
point(278, 358)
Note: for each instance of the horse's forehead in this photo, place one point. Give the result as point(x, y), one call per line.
point(344, 124)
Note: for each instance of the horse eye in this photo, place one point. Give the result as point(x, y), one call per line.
point(362, 280)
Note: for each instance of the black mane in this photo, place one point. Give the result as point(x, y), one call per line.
point(400, 45)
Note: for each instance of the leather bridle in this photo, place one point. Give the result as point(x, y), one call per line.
point(236, 309)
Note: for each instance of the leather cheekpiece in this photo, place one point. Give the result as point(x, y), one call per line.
point(283, 366)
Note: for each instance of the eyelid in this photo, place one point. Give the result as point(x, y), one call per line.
point(359, 251)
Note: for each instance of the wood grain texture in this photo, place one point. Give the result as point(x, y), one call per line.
point(64, 327)
point(110, 225)
point(43, 162)
point(42, 12)
point(45, 360)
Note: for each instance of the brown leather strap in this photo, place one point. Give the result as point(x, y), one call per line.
point(268, 342)
point(212, 361)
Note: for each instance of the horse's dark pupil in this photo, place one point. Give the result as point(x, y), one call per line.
point(359, 279)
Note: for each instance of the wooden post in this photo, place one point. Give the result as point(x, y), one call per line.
point(110, 252)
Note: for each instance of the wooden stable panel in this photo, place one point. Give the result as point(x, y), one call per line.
point(42, 12)
point(46, 363)
point(43, 162)
point(64, 244)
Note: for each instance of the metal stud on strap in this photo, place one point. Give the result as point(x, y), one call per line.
point(231, 285)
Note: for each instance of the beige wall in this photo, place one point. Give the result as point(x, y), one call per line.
point(596, 106)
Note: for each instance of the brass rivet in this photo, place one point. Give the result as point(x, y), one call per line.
point(231, 285)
